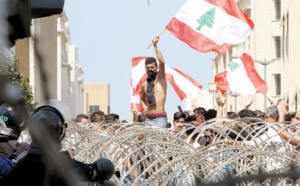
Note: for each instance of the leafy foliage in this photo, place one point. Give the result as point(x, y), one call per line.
point(9, 68)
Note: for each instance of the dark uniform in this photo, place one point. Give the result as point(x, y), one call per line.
point(34, 170)
point(44, 164)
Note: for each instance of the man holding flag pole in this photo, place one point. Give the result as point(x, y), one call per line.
point(154, 90)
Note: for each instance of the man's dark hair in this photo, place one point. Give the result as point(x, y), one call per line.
point(79, 117)
point(260, 114)
point(210, 114)
point(288, 118)
point(141, 118)
point(187, 114)
point(150, 60)
point(95, 115)
point(110, 118)
point(178, 115)
point(245, 113)
point(293, 114)
point(169, 125)
point(190, 118)
point(200, 110)
point(232, 115)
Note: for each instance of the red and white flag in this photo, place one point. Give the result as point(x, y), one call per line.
point(182, 83)
point(241, 77)
point(211, 25)
point(135, 102)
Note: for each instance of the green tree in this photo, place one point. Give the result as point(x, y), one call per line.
point(9, 68)
point(207, 19)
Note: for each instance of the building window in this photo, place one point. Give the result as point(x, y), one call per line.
point(277, 84)
point(94, 108)
point(278, 47)
point(278, 9)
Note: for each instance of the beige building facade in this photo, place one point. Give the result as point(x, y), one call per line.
point(290, 29)
point(264, 46)
point(51, 63)
point(96, 97)
point(76, 90)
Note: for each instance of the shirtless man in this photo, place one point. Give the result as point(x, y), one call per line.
point(154, 90)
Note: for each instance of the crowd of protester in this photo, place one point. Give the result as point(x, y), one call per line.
point(16, 157)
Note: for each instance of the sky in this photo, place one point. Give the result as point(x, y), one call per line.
point(109, 33)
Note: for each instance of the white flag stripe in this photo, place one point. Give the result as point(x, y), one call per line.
point(232, 29)
point(242, 84)
point(135, 102)
point(183, 83)
point(137, 73)
point(135, 99)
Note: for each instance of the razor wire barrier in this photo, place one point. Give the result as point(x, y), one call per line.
point(241, 152)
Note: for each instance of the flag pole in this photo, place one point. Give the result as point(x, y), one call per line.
point(158, 36)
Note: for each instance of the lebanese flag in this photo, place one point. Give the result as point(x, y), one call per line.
point(135, 102)
point(241, 77)
point(211, 25)
point(182, 83)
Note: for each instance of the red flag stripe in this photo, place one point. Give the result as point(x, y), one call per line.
point(233, 9)
point(189, 78)
point(176, 88)
point(136, 60)
point(221, 82)
point(258, 82)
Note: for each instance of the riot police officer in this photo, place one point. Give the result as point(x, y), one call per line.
point(45, 164)
point(11, 125)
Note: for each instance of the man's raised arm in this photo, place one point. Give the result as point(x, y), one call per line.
point(159, 57)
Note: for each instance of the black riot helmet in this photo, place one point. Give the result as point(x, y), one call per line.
point(51, 115)
point(11, 123)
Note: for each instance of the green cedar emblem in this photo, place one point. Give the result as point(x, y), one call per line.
point(207, 19)
point(233, 66)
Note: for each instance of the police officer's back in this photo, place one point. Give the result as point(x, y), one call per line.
point(45, 164)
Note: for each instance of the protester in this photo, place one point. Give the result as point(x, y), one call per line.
point(134, 114)
point(232, 115)
point(98, 117)
point(141, 118)
point(98, 120)
point(199, 113)
point(259, 114)
point(112, 118)
point(210, 114)
point(293, 139)
point(246, 113)
point(179, 125)
point(154, 90)
point(191, 120)
point(45, 164)
point(82, 119)
point(178, 120)
point(270, 136)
